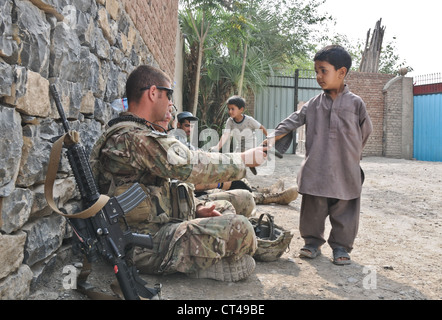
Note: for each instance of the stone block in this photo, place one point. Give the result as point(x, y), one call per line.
point(44, 237)
point(17, 285)
point(11, 252)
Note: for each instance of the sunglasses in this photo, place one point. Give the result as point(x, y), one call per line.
point(169, 91)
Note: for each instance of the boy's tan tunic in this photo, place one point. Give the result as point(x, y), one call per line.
point(336, 132)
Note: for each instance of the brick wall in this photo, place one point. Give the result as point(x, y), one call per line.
point(157, 22)
point(369, 86)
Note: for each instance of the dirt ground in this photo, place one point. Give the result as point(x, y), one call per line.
point(396, 256)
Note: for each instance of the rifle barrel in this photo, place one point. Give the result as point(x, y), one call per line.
point(60, 109)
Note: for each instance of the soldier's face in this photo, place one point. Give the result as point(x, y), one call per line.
point(163, 106)
point(163, 124)
point(186, 126)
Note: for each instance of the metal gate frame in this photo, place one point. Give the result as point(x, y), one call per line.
point(281, 97)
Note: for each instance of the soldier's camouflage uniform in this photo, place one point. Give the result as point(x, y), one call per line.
point(241, 199)
point(133, 152)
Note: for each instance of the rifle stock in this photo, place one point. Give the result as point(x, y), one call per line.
point(101, 235)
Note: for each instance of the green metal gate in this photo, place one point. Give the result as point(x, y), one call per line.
point(281, 97)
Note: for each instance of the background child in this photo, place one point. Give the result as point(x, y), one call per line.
point(330, 179)
point(239, 126)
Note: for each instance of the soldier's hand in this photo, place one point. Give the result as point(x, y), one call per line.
point(254, 157)
point(206, 212)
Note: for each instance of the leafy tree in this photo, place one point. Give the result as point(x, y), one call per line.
point(200, 27)
point(390, 61)
point(246, 42)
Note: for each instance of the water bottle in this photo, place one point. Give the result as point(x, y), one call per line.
point(120, 105)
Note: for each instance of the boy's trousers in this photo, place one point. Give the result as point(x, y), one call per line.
point(344, 220)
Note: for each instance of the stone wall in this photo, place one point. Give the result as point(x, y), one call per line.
point(86, 48)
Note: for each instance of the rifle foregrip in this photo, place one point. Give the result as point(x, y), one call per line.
point(82, 173)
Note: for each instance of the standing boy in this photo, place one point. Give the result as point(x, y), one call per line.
point(330, 179)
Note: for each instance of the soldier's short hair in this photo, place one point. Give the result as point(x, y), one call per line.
point(142, 77)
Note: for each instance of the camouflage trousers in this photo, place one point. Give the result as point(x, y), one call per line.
point(197, 244)
point(242, 201)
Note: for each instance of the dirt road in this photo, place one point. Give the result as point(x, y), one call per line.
point(397, 252)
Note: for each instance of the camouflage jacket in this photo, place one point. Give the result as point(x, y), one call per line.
point(130, 152)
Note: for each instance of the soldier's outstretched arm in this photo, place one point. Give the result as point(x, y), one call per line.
point(254, 157)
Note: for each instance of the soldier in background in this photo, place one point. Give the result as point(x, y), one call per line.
point(186, 122)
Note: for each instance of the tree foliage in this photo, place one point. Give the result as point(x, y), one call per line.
point(232, 46)
point(246, 40)
point(389, 63)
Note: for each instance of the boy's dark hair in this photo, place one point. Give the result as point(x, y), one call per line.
point(336, 55)
point(237, 101)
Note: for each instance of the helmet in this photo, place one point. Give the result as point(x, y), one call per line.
point(273, 240)
point(186, 115)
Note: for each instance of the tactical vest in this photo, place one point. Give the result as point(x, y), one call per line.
point(167, 200)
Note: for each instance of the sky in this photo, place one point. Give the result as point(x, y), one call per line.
point(416, 26)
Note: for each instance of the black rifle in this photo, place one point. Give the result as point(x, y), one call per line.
point(277, 153)
point(102, 234)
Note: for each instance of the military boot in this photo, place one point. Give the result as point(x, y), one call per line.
point(284, 197)
point(225, 270)
point(274, 188)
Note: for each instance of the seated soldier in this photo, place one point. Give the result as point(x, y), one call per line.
point(217, 246)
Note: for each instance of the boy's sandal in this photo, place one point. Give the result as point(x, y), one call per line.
point(341, 256)
point(309, 251)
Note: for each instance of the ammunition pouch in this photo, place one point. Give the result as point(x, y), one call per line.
point(164, 202)
point(170, 201)
point(182, 200)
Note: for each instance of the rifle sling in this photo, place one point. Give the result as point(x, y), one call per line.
point(54, 160)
